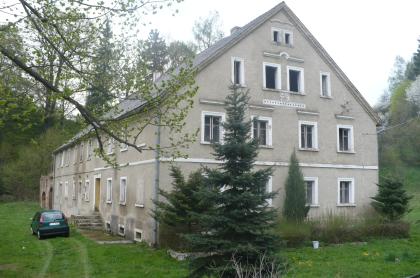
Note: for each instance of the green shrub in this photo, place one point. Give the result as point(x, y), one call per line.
point(293, 234)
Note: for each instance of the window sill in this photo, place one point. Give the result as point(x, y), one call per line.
point(240, 85)
point(347, 152)
point(208, 143)
point(138, 206)
point(265, 147)
point(313, 206)
point(325, 97)
point(123, 204)
point(123, 150)
point(309, 150)
point(346, 205)
point(109, 202)
point(271, 90)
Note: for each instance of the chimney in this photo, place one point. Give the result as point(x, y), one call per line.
point(234, 29)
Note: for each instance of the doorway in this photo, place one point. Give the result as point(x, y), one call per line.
point(50, 199)
point(97, 193)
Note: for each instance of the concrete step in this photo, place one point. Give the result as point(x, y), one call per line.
point(89, 222)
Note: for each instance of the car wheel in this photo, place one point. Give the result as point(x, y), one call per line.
point(39, 235)
point(32, 230)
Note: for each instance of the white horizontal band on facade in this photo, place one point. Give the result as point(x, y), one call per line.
point(258, 163)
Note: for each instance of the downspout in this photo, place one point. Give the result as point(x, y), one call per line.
point(49, 190)
point(156, 184)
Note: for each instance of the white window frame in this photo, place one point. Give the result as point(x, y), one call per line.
point(327, 74)
point(108, 199)
point(269, 189)
point(135, 235)
point(279, 37)
point(81, 149)
point(140, 194)
point(315, 202)
point(66, 189)
point(269, 134)
point(73, 190)
point(242, 71)
point(291, 38)
point(278, 75)
point(351, 193)
point(123, 201)
point(87, 189)
point(314, 136)
point(216, 114)
point(89, 149)
point(351, 138)
point(110, 146)
point(119, 228)
point(62, 158)
point(301, 79)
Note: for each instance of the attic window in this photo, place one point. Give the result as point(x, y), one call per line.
point(238, 76)
point(288, 38)
point(276, 36)
point(271, 76)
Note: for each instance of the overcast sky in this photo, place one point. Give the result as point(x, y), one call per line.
point(362, 36)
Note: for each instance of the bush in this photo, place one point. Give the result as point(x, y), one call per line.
point(335, 229)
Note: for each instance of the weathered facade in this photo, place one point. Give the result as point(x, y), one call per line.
point(303, 102)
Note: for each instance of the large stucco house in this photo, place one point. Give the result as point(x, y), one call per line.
point(303, 101)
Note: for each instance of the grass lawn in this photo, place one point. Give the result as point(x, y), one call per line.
point(377, 258)
point(23, 255)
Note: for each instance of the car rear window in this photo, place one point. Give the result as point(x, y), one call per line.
point(51, 216)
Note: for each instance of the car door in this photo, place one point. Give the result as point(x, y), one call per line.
point(35, 221)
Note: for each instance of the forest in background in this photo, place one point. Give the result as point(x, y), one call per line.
point(34, 122)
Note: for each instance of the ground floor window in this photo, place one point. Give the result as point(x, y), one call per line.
point(311, 191)
point(345, 191)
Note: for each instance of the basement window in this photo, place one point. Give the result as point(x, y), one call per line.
point(295, 79)
point(138, 235)
point(121, 230)
point(271, 76)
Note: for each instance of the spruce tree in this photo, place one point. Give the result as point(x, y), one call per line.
point(181, 205)
point(239, 222)
point(391, 200)
point(295, 208)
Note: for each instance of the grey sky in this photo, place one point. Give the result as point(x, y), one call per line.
point(362, 36)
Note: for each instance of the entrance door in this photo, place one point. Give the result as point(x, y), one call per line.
point(97, 193)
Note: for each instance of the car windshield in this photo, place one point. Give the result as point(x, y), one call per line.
point(51, 216)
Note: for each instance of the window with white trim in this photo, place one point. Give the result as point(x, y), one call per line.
point(138, 235)
point(121, 230)
point(308, 135)
point(211, 127)
point(81, 148)
point(345, 141)
point(110, 146)
point(109, 190)
point(73, 190)
point(124, 146)
point(66, 189)
point(269, 189)
point(89, 149)
point(262, 130)
point(63, 154)
point(140, 193)
point(123, 190)
point(238, 71)
point(276, 35)
point(295, 79)
point(325, 84)
point(87, 188)
point(345, 191)
point(288, 38)
point(272, 76)
point(311, 191)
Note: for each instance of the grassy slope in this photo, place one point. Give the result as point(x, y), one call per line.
point(22, 255)
point(378, 258)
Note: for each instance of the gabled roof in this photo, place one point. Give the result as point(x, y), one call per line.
point(213, 52)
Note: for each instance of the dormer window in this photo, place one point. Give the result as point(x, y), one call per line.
point(238, 71)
